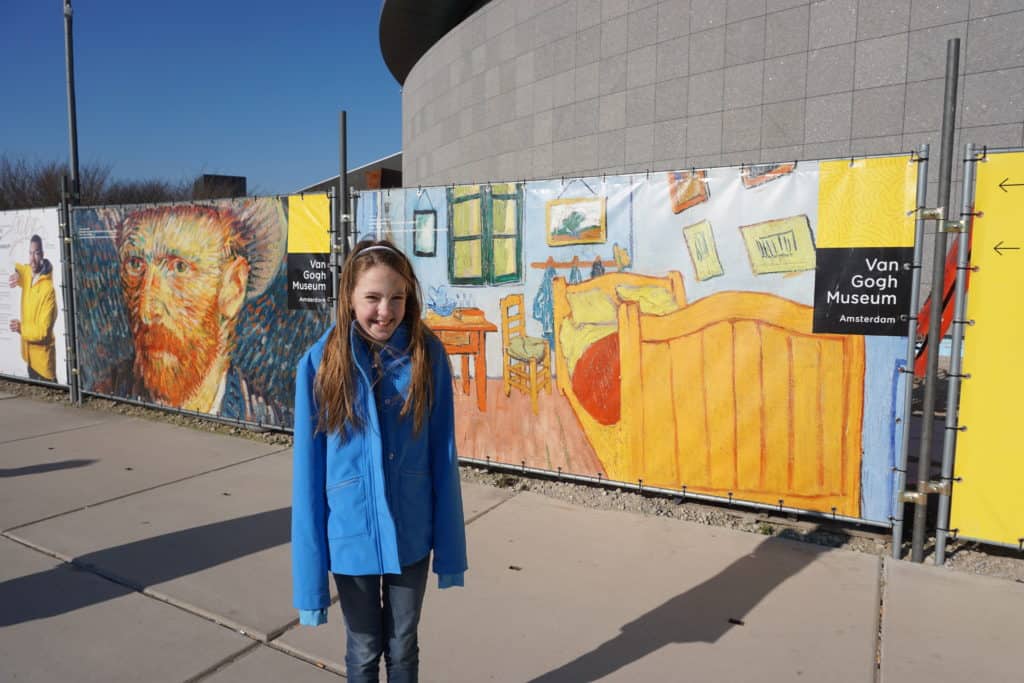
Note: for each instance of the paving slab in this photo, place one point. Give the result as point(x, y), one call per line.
point(53, 473)
point(24, 418)
point(216, 544)
point(61, 624)
point(939, 625)
point(267, 665)
point(557, 592)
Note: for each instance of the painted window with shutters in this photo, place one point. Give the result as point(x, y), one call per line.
point(485, 235)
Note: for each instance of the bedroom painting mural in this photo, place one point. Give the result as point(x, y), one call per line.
point(661, 327)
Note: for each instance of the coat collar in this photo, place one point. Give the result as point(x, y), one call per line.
point(396, 348)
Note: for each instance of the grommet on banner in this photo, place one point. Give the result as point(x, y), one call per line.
point(684, 492)
point(780, 504)
point(640, 484)
point(833, 513)
point(730, 497)
point(523, 462)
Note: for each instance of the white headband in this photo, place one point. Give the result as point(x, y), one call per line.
point(378, 246)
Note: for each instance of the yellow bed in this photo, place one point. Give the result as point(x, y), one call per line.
point(731, 394)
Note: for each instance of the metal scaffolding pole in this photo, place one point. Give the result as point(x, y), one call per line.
point(956, 364)
point(908, 370)
point(332, 301)
point(938, 275)
point(69, 60)
point(67, 294)
point(343, 183)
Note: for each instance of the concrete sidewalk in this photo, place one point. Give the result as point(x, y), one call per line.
point(139, 551)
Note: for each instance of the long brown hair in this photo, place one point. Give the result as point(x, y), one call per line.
point(335, 385)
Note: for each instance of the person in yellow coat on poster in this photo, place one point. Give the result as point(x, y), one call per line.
point(38, 312)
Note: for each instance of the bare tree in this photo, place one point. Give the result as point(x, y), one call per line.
point(25, 184)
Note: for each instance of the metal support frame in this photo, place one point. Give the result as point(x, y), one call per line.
point(68, 294)
point(908, 369)
point(938, 276)
point(681, 494)
point(332, 301)
point(956, 364)
point(254, 426)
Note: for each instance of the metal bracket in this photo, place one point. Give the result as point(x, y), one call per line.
point(921, 497)
point(935, 214)
point(953, 226)
point(915, 497)
point(940, 487)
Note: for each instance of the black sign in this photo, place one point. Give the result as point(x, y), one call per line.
point(309, 281)
point(863, 290)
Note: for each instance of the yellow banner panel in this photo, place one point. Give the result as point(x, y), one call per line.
point(988, 503)
point(857, 201)
point(309, 224)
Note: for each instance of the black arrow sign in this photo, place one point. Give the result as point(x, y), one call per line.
point(1006, 183)
point(999, 248)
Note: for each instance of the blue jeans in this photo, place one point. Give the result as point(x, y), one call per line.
point(383, 619)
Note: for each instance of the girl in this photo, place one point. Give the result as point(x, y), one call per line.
point(376, 480)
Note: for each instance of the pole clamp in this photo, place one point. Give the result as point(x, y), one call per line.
point(915, 497)
point(921, 497)
point(937, 213)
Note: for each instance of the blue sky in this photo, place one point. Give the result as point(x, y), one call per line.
point(172, 89)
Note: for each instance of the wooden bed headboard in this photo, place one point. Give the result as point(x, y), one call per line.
point(607, 284)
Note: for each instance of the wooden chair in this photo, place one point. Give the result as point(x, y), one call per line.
point(525, 361)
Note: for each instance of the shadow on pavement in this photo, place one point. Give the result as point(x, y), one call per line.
point(44, 467)
point(142, 564)
point(702, 614)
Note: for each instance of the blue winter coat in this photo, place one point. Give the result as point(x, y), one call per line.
point(357, 510)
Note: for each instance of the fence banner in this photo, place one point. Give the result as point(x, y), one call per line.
point(186, 306)
point(309, 253)
point(32, 343)
point(989, 473)
point(661, 328)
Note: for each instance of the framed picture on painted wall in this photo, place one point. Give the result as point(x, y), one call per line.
point(576, 221)
point(425, 232)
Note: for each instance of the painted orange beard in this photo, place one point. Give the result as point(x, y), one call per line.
point(172, 367)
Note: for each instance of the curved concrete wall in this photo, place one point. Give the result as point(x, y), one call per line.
point(528, 89)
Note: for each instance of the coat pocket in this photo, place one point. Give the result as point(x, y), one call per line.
point(417, 506)
point(346, 509)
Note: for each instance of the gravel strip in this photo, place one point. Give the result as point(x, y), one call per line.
point(961, 555)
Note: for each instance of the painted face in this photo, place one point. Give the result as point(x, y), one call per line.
point(171, 267)
point(35, 256)
point(378, 301)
